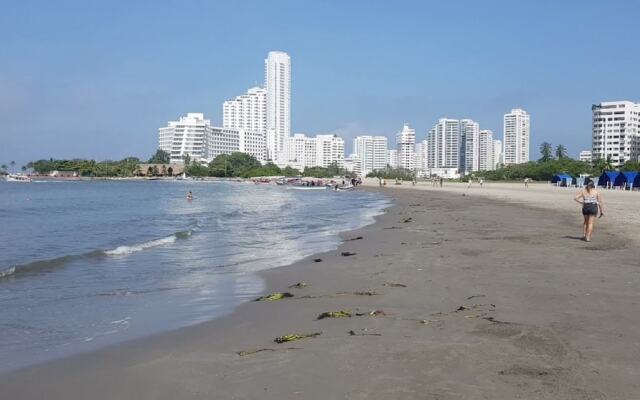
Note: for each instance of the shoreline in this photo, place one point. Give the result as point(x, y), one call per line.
point(508, 339)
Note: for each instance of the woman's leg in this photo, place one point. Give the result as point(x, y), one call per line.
point(585, 224)
point(592, 221)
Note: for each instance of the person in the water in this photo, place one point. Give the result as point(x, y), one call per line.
point(189, 196)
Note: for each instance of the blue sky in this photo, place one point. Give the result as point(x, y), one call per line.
point(96, 79)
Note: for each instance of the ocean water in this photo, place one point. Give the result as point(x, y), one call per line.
point(92, 263)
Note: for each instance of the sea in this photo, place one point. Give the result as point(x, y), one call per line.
point(86, 264)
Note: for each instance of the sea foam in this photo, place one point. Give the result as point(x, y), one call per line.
point(125, 250)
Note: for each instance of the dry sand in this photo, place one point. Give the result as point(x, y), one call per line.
point(484, 299)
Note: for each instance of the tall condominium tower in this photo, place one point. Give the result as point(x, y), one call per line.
point(372, 153)
point(469, 136)
point(329, 151)
point(517, 132)
point(486, 151)
point(248, 111)
point(277, 82)
point(406, 143)
point(443, 143)
point(616, 132)
point(497, 154)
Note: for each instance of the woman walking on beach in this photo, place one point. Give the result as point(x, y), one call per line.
point(591, 202)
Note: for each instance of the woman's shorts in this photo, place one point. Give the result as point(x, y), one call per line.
point(590, 209)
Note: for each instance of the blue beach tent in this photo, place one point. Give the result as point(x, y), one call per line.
point(562, 180)
point(636, 181)
point(608, 178)
point(626, 180)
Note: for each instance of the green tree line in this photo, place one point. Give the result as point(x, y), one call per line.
point(124, 167)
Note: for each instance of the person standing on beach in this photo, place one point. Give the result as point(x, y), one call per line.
point(481, 181)
point(592, 205)
point(441, 181)
point(526, 183)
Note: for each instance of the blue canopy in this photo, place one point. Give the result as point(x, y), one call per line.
point(626, 179)
point(563, 179)
point(608, 178)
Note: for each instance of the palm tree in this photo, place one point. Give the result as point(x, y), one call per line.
point(561, 152)
point(546, 151)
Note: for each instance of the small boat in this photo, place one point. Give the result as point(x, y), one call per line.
point(345, 188)
point(18, 178)
point(308, 187)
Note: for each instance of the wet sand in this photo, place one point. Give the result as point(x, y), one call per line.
point(482, 299)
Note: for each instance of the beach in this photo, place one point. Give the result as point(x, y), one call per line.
point(480, 293)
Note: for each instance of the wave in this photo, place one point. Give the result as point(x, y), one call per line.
point(50, 264)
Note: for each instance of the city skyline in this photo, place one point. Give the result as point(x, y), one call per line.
point(80, 87)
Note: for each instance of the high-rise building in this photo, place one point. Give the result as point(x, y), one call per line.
point(185, 137)
point(277, 77)
point(469, 136)
point(517, 133)
point(248, 111)
point(329, 151)
point(372, 152)
point(393, 158)
point(497, 154)
point(616, 131)
point(193, 135)
point(406, 142)
point(443, 142)
point(421, 164)
point(320, 151)
point(486, 151)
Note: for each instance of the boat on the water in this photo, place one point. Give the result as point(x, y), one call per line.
point(18, 178)
point(299, 187)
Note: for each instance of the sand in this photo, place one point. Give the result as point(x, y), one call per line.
point(483, 299)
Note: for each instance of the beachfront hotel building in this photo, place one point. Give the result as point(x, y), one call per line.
point(247, 111)
point(406, 143)
point(320, 151)
point(353, 164)
point(194, 136)
point(469, 145)
point(372, 151)
point(517, 134)
point(185, 137)
point(616, 132)
point(277, 82)
point(443, 143)
point(329, 151)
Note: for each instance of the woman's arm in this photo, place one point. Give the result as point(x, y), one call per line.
point(578, 197)
point(600, 204)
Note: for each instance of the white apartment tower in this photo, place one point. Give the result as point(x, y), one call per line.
point(616, 132)
point(248, 111)
point(486, 153)
point(517, 133)
point(393, 158)
point(371, 152)
point(185, 137)
point(329, 151)
point(497, 154)
point(406, 143)
point(444, 144)
point(469, 142)
point(277, 82)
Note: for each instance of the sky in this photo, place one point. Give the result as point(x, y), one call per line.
point(97, 79)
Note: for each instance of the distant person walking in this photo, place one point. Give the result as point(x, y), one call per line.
point(481, 181)
point(526, 183)
point(592, 205)
point(441, 181)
